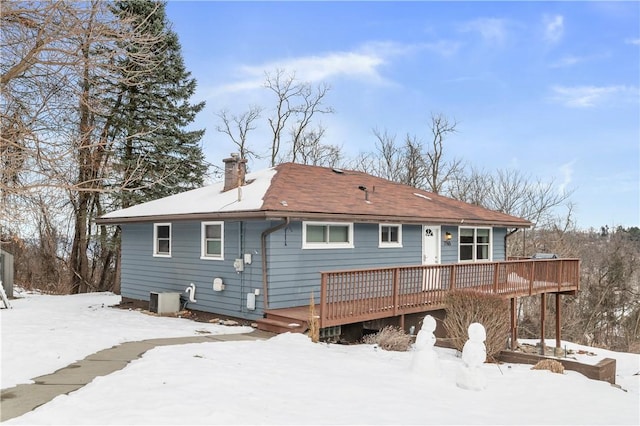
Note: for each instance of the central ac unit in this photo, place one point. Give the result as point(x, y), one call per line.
point(164, 303)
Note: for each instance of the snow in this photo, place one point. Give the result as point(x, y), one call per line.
point(284, 380)
point(208, 199)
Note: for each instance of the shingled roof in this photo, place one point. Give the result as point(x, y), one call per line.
point(303, 192)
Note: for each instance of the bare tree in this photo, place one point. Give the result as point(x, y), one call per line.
point(311, 151)
point(606, 310)
point(439, 169)
point(512, 192)
point(237, 127)
point(386, 162)
point(472, 187)
point(415, 171)
point(411, 163)
point(59, 77)
point(295, 101)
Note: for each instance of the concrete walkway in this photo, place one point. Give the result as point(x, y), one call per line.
point(21, 399)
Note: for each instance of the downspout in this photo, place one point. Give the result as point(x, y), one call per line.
point(265, 282)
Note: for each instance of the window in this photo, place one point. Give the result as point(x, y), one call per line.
point(162, 239)
point(475, 244)
point(212, 240)
point(390, 236)
point(327, 235)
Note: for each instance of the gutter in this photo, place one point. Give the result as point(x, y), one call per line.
point(265, 281)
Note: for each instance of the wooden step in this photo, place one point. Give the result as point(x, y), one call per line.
point(287, 318)
point(279, 326)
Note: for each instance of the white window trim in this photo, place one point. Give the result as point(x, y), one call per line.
point(475, 245)
point(386, 244)
point(203, 241)
point(315, 246)
point(155, 240)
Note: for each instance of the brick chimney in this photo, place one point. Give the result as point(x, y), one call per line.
point(234, 170)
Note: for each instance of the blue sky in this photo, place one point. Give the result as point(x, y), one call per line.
point(549, 88)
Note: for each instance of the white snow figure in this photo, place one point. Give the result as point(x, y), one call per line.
point(474, 354)
point(425, 359)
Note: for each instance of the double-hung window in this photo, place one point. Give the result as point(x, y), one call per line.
point(475, 244)
point(321, 235)
point(212, 240)
point(162, 239)
point(390, 235)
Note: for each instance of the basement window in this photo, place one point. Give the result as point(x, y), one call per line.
point(322, 235)
point(162, 239)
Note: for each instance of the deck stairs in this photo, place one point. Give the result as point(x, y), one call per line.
point(283, 322)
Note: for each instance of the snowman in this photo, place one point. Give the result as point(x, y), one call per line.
point(425, 359)
point(474, 354)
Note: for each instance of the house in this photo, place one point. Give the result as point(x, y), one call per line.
point(257, 246)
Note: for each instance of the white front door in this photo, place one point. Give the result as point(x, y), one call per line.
point(431, 256)
point(430, 245)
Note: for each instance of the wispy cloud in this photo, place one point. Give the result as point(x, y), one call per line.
point(312, 69)
point(553, 28)
point(635, 41)
point(364, 64)
point(566, 172)
point(492, 30)
point(591, 96)
point(571, 60)
point(568, 61)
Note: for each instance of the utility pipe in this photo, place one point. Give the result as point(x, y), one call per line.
point(265, 282)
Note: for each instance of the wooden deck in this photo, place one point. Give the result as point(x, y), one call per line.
point(353, 296)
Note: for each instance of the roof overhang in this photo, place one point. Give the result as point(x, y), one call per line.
point(318, 216)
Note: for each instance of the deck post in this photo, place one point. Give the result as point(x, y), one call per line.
point(558, 321)
point(323, 299)
point(559, 274)
point(514, 324)
point(495, 279)
point(532, 277)
point(452, 277)
point(396, 291)
point(543, 304)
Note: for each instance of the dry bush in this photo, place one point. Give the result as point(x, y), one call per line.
point(314, 329)
point(390, 338)
point(464, 308)
point(549, 364)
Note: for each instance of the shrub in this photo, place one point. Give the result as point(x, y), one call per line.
point(549, 364)
point(465, 307)
point(389, 338)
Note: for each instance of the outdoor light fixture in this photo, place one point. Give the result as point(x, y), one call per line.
point(447, 238)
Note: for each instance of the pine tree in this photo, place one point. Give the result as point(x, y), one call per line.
point(155, 155)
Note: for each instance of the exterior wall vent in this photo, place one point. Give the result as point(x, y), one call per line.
point(164, 303)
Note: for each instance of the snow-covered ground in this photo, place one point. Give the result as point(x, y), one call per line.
point(283, 380)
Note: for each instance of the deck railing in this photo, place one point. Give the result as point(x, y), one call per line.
point(367, 294)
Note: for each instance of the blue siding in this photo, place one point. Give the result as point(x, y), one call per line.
point(142, 273)
point(449, 252)
point(498, 244)
point(293, 273)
